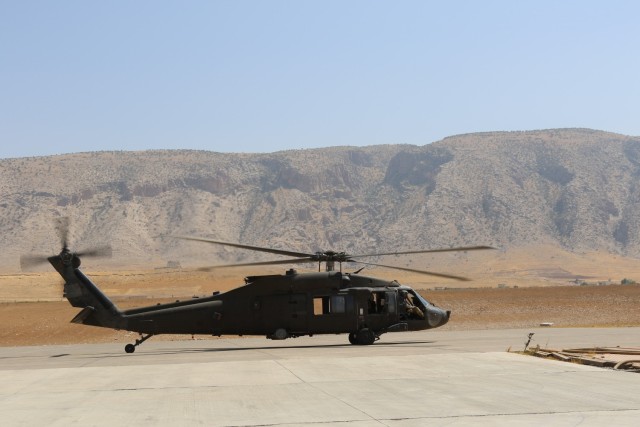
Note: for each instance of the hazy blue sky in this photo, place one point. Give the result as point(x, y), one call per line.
point(263, 76)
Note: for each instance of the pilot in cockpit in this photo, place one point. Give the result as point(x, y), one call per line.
point(413, 311)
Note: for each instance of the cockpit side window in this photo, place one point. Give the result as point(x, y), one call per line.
point(412, 305)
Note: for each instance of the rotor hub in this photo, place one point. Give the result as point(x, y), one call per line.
point(66, 256)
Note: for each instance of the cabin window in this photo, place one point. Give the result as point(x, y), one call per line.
point(335, 304)
point(377, 303)
point(320, 306)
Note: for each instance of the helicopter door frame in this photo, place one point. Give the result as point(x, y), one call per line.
point(280, 311)
point(392, 303)
point(333, 313)
point(298, 313)
point(381, 309)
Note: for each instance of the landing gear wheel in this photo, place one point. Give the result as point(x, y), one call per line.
point(366, 336)
point(353, 338)
point(130, 348)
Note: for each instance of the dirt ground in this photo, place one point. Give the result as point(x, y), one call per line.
point(42, 323)
point(33, 313)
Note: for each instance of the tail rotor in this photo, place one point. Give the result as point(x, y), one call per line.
point(62, 226)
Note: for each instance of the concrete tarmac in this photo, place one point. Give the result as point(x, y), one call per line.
point(441, 378)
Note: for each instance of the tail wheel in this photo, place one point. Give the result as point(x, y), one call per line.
point(130, 348)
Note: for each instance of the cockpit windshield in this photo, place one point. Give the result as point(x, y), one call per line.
point(423, 301)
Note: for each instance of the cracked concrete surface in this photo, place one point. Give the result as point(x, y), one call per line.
point(410, 379)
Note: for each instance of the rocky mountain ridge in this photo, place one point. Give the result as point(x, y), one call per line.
point(577, 189)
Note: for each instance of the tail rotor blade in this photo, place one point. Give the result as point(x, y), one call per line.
point(99, 251)
point(62, 228)
point(27, 262)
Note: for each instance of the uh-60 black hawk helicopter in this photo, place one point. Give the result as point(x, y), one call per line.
point(278, 306)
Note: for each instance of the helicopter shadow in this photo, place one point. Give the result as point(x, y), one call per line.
point(161, 352)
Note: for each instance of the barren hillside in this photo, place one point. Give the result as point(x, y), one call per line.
point(572, 192)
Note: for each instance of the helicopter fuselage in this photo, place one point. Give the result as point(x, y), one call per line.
point(277, 306)
point(293, 304)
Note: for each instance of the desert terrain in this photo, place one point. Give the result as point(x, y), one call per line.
point(33, 312)
point(559, 206)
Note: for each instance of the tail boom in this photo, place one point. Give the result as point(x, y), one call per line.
point(80, 291)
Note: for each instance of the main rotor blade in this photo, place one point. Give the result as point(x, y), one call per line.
point(412, 270)
point(426, 251)
point(251, 248)
point(29, 261)
point(249, 264)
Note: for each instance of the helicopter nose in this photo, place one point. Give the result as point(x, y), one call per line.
point(437, 316)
